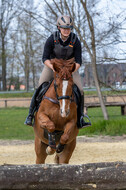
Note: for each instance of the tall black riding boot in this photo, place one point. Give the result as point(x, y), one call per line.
point(32, 109)
point(36, 100)
point(80, 115)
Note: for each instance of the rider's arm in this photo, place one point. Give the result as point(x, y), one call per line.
point(77, 66)
point(48, 64)
point(77, 54)
point(48, 50)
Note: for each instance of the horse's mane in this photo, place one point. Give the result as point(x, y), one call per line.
point(64, 67)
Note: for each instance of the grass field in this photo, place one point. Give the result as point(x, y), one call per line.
point(12, 123)
point(16, 95)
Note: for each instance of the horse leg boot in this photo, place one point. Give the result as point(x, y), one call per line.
point(60, 148)
point(52, 141)
point(80, 115)
point(52, 144)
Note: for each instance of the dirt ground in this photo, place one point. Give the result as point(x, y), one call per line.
point(88, 150)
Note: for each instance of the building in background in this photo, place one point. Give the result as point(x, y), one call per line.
point(109, 74)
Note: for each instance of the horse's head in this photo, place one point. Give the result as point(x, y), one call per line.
point(63, 83)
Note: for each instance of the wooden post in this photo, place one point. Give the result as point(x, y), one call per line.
point(85, 110)
point(5, 103)
point(123, 110)
point(98, 176)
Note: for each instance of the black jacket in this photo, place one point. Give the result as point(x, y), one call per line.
point(50, 45)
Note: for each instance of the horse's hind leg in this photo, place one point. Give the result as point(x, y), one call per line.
point(64, 157)
point(40, 149)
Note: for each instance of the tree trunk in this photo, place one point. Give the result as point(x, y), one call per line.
point(27, 60)
point(92, 54)
point(27, 76)
point(3, 65)
point(94, 69)
point(33, 74)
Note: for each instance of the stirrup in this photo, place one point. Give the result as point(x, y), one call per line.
point(84, 124)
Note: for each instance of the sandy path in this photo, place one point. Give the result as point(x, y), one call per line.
point(91, 150)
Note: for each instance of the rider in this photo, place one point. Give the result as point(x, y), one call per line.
point(62, 44)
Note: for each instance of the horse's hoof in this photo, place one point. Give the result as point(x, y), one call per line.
point(50, 151)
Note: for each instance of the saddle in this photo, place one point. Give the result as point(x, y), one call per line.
point(42, 90)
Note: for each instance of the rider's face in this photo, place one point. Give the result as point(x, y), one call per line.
point(65, 31)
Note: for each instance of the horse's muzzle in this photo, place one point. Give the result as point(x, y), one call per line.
point(64, 113)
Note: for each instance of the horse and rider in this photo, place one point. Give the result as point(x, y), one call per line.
point(62, 46)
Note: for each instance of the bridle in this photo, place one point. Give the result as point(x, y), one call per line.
point(59, 97)
point(62, 97)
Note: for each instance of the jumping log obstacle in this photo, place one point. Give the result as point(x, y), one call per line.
point(99, 176)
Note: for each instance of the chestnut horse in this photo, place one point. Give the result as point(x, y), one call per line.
point(57, 116)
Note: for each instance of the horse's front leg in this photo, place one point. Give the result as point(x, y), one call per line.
point(70, 133)
point(46, 123)
point(40, 149)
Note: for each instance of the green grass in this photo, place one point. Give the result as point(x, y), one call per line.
point(16, 95)
point(12, 123)
point(116, 125)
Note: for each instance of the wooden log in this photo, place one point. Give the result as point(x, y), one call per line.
point(98, 176)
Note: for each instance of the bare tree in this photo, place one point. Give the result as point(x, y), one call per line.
point(29, 46)
point(93, 57)
point(7, 14)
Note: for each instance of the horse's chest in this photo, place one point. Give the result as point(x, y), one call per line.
point(59, 121)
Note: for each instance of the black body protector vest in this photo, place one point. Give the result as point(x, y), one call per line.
point(63, 52)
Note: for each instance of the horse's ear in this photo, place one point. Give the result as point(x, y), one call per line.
point(55, 67)
point(73, 67)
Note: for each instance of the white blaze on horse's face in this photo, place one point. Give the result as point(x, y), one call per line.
point(65, 107)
